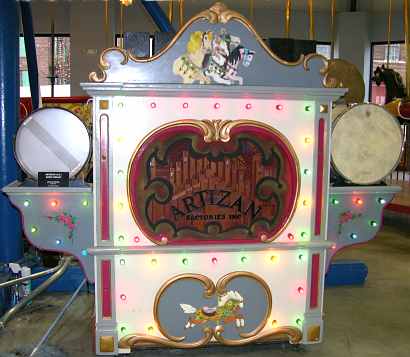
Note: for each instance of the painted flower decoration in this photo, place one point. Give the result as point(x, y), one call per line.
point(68, 220)
point(345, 217)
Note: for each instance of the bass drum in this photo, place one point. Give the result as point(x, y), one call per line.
point(52, 140)
point(366, 144)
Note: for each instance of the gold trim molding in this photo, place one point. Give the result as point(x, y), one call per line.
point(288, 333)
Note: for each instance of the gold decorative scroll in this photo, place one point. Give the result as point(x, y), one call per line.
point(217, 13)
point(286, 333)
point(339, 73)
point(209, 291)
point(289, 333)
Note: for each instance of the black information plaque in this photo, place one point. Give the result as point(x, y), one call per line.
point(53, 179)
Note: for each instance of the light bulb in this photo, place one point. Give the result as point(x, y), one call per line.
point(217, 105)
point(185, 105)
point(279, 107)
point(27, 203)
point(358, 201)
point(291, 236)
point(33, 229)
point(214, 260)
point(353, 236)
point(300, 290)
point(84, 203)
point(248, 106)
point(54, 203)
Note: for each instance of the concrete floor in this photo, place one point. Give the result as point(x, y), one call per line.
point(368, 321)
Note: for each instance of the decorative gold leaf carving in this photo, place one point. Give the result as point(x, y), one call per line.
point(291, 334)
point(217, 13)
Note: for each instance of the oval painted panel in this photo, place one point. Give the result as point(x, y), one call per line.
point(209, 182)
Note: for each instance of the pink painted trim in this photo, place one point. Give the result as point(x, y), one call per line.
point(106, 289)
point(314, 281)
point(319, 176)
point(104, 179)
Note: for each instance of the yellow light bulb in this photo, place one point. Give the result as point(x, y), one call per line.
point(308, 140)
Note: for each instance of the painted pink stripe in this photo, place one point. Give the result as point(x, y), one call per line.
point(314, 281)
point(106, 305)
point(104, 180)
point(319, 176)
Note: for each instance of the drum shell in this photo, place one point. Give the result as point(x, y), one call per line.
point(86, 159)
point(361, 144)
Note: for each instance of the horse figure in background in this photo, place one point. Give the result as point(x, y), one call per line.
point(394, 82)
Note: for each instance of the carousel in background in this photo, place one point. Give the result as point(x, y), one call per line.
point(224, 206)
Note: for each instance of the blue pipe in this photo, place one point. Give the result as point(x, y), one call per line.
point(159, 17)
point(11, 244)
point(29, 42)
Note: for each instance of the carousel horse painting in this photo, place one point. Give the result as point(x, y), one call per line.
point(213, 58)
point(394, 83)
point(226, 311)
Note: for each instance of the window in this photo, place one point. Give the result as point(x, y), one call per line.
point(378, 58)
point(44, 43)
point(323, 48)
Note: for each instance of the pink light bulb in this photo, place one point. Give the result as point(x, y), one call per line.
point(185, 105)
point(153, 105)
point(136, 239)
point(217, 105)
point(214, 260)
point(291, 236)
point(123, 297)
point(248, 106)
point(279, 107)
point(300, 290)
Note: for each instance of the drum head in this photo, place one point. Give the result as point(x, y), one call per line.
point(52, 140)
point(366, 144)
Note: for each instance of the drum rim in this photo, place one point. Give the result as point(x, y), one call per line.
point(334, 124)
point(24, 169)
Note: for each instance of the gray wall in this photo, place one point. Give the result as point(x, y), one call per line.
point(84, 20)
